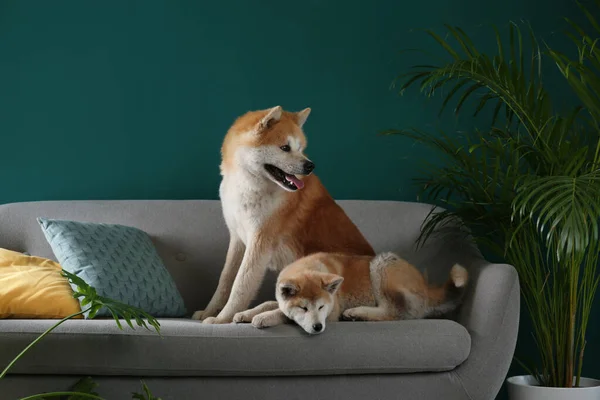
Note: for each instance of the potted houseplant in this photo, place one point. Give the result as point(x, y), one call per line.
point(527, 187)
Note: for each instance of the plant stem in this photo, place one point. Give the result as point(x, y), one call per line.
point(56, 394)
point(573, 277)
point(580, 366)
point(38, 339)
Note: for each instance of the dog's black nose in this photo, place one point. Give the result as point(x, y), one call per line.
point(318, 327)
point(308, 167)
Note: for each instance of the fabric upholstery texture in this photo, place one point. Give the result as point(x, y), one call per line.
point(119, 261)
point(417, 386)
point(191, 238)
point(190, 348)
point(32, 287)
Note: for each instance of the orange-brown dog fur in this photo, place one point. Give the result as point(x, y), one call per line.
point(326, 287)
point(269, 226)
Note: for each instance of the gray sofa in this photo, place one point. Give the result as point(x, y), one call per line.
point(464, 358)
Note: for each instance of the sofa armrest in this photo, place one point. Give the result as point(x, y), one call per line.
point(491, 315)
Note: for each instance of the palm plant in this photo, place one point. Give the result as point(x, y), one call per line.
point(528, 187)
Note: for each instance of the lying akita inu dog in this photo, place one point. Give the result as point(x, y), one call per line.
point(326, 287)
point(276, 211)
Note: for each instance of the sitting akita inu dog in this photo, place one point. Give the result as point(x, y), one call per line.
point(276, 211)
point(326, 287)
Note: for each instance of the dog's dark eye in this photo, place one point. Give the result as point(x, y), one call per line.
point(320, 308)
point(304, 308)
point(286, 148)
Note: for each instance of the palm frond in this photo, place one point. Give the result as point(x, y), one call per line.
point(507, 82)
point(529, 187)
point(562, 206)
point(583, 73)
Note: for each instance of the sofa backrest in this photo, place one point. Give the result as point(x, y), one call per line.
point(191, 236)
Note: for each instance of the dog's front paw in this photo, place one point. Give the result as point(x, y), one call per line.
point(201, 315)
point(351, 315)
point(242, 317)
point(198, 315)
point(215, 321)
point(261, 321)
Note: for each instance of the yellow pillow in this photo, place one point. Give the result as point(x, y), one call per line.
point(32, 287)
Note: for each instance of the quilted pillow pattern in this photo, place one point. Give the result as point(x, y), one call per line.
point(119, 261)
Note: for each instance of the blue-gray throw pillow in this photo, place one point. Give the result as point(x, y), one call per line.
point(119, 261)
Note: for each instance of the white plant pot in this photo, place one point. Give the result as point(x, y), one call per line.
point(526, 388)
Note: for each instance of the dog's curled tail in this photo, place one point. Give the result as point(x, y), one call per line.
point(447, 298)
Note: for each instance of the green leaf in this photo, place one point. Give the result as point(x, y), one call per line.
point(84, 385)
point(444, 44)
point(146, 395)
point(528, 186)
point(117, 309)
point(564, 207)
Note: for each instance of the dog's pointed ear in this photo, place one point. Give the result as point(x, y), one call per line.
point(302, 116)
point(331, 282)
point(288, 289)
point(273, 115)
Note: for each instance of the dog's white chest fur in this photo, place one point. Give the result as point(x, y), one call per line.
point(247, 203)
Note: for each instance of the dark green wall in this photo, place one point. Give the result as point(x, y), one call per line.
point(130, 99)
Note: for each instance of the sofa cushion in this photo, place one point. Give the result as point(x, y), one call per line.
point(32, 287)
point(189, 348)
point(119, 261)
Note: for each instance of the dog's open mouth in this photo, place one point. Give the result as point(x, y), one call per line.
point(288, 181)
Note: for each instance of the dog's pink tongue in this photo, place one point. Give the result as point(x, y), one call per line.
point(292, 178)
